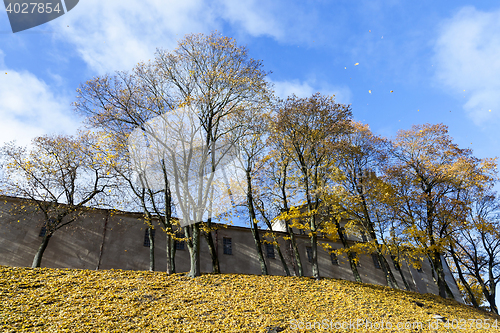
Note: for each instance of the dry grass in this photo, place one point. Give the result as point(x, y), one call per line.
point(70, 300)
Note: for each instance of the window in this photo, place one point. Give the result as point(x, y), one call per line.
point(146, 236)
point(376, 263)
point(334, 259)
point(227, 245)
point(270, 251)
point(309, 252)
point(179, 245)
point(43, 231)
point(363, 237)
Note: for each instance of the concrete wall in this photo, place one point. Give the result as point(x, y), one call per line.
point(105, 240)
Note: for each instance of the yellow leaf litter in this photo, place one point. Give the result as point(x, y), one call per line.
point(71, 300)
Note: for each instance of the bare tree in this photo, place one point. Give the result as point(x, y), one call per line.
point(209, 73)
point(476, 248)
point(63, 176)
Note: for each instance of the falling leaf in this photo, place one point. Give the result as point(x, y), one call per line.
point(369, 31)
point(345, 67)
point(392, 90)
point(488, 110)
point(356, 64)
point(370, 91)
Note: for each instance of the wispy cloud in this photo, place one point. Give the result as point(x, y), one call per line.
point(257, 18)
point(117, 34)
point(30, 108)
point(467, 55)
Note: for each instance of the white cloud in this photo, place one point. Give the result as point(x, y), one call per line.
point(115, 35)
point(467, 57)
point(29, 107)
point(283, 89)
point(255, 17)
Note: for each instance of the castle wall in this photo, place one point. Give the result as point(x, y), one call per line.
point(105, 240)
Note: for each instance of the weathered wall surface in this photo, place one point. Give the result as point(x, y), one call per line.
point(105, 240)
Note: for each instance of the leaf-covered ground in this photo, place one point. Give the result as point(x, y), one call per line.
point(70, 300)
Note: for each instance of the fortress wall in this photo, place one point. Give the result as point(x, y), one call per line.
point(91, 242)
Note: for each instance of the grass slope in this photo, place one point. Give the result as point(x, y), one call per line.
point(70, 300)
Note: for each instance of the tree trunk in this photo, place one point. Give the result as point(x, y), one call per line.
point(38, 256)
point(253, 223)
point(277, 246)
point(492, 300)
point(170, 248)
point(350, 255)
point(151, 250)
point(295, 249)
point(354, 268)
point(438, 266)
point(399, 268)
point(462, 278)
point(212, 248)
point(389, 276)
point(283, 262)
point(193, 235)
point(391, 280)
point(314, 248)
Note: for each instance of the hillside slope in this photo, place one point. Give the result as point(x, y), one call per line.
point(60, 300)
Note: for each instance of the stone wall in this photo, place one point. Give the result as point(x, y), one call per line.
point(102, 239)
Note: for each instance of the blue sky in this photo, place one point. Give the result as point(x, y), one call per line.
point(440, 59)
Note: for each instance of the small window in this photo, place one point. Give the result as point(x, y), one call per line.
point(334, 259)
point(363, 237)
point(180, 245)
point(146, 236)
point(228, 249)
point(43, 231)
point(270, 251)
point(376, 262)
point(309, 253)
